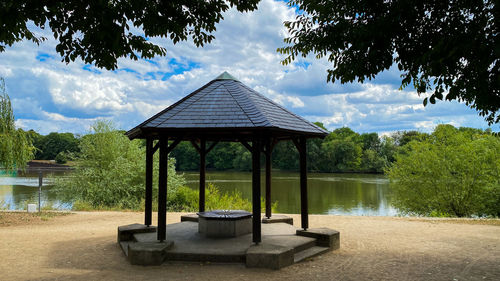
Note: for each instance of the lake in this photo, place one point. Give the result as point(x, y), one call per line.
point(342, 194)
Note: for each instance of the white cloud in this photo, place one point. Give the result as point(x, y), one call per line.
point(49, 95)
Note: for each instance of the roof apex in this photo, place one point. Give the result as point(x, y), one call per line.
point(225, 76)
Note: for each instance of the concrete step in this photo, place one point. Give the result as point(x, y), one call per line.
point(124, 246)
point(311, 252)
point(304, 245)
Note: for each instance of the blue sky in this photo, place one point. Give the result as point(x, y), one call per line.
point(49, 95)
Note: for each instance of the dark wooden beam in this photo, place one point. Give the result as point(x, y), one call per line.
point(155, 148)
point(148, 208)
point(195, 145)
point(245, 144)
point(211, 146)
point(296, 142)
point(268, 177)
point(173, 145)
point(256, 235)
point(162, 190)
point(202, 151)
point(303, 183)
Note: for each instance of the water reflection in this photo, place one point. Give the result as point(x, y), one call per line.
point(16, 191)
point(350, 194)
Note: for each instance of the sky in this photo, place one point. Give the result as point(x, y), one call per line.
point(51, 96)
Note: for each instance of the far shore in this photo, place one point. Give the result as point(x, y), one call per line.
point(82, 246)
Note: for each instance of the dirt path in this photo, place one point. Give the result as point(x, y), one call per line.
point(83, 247)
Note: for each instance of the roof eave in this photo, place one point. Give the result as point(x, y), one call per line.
point(141, 133)
point(135, 133)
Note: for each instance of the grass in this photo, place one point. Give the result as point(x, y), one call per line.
point(87, 207)
point(22, 218)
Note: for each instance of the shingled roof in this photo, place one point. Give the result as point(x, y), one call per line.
point(226, 105)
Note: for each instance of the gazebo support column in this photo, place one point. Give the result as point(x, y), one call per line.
point(256, 149)
point(162, 189)
point(203, 151)
point(302, 148)
point(268, 178)
point(203, 156)
point(304, 212)
point(148, 208)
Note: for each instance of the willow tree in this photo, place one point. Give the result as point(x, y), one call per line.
point(15, 147)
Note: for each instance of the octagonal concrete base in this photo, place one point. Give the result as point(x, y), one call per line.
point(189, 217)
point(281, 246)
point(126, 232)
point(148, 253)
point(325, 237)
point(269, 256)
point(278, 219)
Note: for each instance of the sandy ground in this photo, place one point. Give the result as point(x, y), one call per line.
point(83, 247)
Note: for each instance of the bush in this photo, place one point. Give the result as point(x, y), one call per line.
point(64, 156)
point(186, 200)
point(451, 173)
point(110, 171)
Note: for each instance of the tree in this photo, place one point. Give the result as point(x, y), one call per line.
point(110, 171)
point(449, 48)
point(100, 32)
point(186, 156)
point(342, 155)
point(49, 146)
point(15, 147)
point(370, 141)
point(450, 173)
point(401, 138)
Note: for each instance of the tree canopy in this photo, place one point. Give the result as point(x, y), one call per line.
point(100, 32)
point(15, 147)
point(53, 144)
point(452, 172)
point(448, 48)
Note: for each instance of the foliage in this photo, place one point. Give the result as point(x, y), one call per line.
point(343, 150)
point(100, 32)
point(15, 147)
point(186, 156)
point(447, 47)
point(110, 171)
point(49, 146)
point(64, 156)
point(186, 199)
point(452, 173)
point(404, 137)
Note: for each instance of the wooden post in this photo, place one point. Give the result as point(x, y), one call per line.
point(40, 183)
point(203, 154)
point(268, 178)
point(148, 208)
point(162, 189)
point(303, 183)
point(256, 191)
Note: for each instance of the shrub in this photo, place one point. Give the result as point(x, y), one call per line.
point(110, 171)
point(186, 200)
point(451, 173)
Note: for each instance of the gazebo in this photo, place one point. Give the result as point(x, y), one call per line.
point(224, 109)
